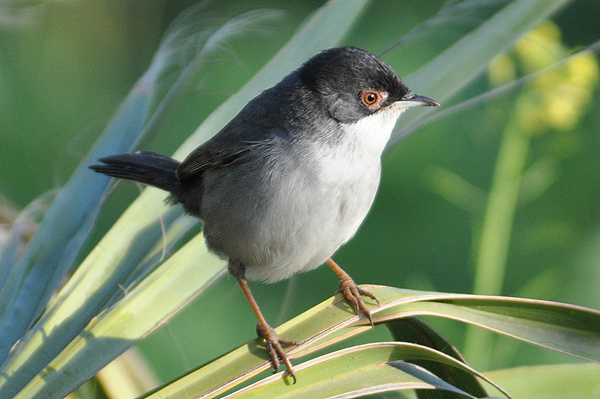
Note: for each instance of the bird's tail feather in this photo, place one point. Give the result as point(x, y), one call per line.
point(144, 167)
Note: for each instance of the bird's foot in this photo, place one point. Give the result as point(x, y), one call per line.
point(274, 346)
point(352, 292)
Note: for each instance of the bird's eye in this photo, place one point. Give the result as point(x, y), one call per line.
point(370, 98)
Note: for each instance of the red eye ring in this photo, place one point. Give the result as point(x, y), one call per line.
point(370, 98)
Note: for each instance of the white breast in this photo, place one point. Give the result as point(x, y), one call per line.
point(333, 204)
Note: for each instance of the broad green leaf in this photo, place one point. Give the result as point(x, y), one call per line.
point(166, 290)
point(561, 327)
point(52, 250)
point(564, 328)
point(96, 279)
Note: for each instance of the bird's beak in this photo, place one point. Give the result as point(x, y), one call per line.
point(415, 100)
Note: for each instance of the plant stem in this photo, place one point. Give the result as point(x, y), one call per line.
point(492, 245)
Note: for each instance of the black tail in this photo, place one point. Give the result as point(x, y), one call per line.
point(144, 167)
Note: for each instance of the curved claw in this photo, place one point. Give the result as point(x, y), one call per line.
point(274, 346)
point(352, 292)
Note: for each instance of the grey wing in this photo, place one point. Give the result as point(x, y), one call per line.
point(226, 148)
point(209, 157)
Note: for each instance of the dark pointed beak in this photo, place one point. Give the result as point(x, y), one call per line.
point(415, 100)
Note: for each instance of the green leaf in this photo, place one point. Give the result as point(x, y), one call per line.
point(355, 371)
point(360, 370)
point(566, 328)
point(453, 69)
point(162, 293)
point(96, 280)
point(414, 330)
point(561, 327)
point(51, 252)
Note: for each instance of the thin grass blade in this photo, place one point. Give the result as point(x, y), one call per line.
point(453, 69)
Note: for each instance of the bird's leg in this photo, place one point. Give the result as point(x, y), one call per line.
point(351, 291)
point(273, 343)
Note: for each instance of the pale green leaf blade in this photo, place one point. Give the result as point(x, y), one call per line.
point(565, 328)
point(80, 299)
point(161, 294)
point(350, 372)
point(52, 250)
point(334, 320)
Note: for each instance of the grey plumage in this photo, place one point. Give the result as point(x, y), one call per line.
point(290, 179)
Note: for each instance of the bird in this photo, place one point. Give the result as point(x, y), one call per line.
point(291, 177)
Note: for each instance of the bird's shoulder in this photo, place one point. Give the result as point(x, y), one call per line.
point(270, 121)
point(232, 145)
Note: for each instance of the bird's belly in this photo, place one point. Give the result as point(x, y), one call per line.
point(289, 221)
point(313, 227)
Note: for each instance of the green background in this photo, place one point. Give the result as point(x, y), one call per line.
point(65, 66)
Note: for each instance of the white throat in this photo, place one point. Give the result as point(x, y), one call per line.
point(373, 132)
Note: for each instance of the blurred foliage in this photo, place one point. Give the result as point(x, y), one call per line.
point(552, 101)
point(65, 66)
point(557, 98)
